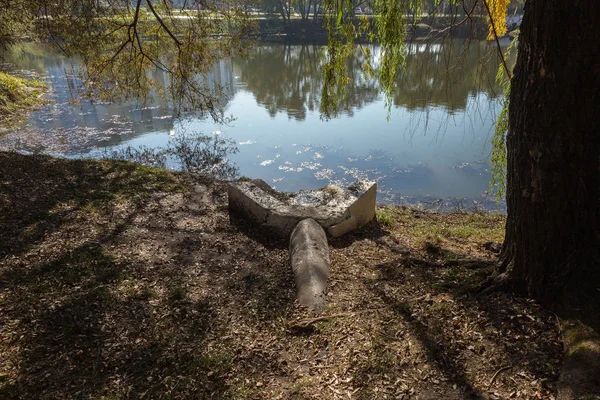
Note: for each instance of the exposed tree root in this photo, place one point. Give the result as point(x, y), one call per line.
point(495, 283)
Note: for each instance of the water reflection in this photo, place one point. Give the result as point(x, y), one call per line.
point(447, 75)
point(288, 78)
point(436, 145)
point(195, 153)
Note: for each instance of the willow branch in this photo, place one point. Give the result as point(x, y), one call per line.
point(487, 7)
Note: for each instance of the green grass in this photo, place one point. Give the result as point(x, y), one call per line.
point(177, 293)
point(386, 215)
point(460, 227)
point(437, 227)
point(17, 94)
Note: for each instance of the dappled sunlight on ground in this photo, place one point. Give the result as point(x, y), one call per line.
point(128, 282)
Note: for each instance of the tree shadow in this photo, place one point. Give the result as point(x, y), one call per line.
point(40, 194)
point(515, 322)
point(266, 238)
point(117, 298)
point(370, 231)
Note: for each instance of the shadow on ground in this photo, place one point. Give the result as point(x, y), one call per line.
point(119, 280)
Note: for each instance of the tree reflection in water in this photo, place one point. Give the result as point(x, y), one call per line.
point(288, 78)
point(196, 153)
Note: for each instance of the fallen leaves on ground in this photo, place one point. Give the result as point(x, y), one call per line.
point(118, 281)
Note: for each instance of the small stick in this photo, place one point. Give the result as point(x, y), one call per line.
point(560, 330)
point(496, 374)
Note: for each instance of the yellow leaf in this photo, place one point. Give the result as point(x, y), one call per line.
point(498, 9)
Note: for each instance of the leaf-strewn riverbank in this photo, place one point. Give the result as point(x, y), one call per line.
point(121, 281)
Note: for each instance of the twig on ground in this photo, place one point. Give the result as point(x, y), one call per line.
point(496, 375)
point(560, 330)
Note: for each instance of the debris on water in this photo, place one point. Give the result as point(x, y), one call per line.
point(290, 169)
point(325, 173)
point(310, 165)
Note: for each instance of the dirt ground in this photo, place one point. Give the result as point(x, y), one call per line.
point(120, 281)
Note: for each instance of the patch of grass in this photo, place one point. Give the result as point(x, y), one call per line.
point(457, 227)
point(17, 94)
point(218, 363)
point(386, 216)
point(242, 392)
point(128, 179)
point(379, 362)
point(147, 293)
point(177, 293)
point(94, 207)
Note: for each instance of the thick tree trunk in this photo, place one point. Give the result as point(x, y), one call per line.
point(552, 245)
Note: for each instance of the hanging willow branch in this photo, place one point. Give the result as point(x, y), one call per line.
point(501, 8)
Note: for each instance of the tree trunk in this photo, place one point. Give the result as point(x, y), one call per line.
point(552, 245)
point(285, 12)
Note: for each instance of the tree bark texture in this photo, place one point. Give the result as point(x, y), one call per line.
point(552, 244)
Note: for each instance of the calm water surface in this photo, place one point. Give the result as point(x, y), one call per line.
point(433, 150)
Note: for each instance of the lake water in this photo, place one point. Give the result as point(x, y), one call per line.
point(433, 150)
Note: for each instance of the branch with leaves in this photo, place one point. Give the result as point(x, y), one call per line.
point(128, 49)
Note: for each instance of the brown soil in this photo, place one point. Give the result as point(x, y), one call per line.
point(120, 281)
